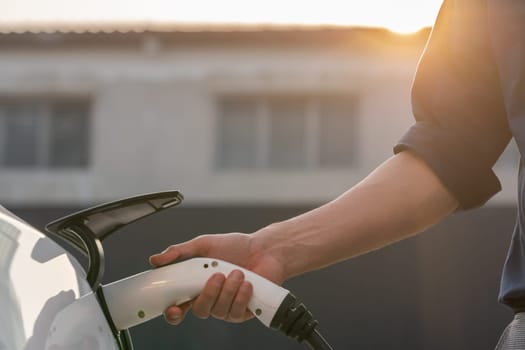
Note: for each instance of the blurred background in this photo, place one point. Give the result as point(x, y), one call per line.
point(256, 111)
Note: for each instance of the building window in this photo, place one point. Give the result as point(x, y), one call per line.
point(44, 133)
point(286, 132)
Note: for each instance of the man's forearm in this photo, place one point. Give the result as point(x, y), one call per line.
point(399, 199)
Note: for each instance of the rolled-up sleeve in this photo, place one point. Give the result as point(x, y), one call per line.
point(460, 126)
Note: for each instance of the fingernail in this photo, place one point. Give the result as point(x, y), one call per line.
point(237, 275)
point(173, 318)
point(151, 260)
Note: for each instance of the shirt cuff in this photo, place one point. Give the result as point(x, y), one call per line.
point(460, 165)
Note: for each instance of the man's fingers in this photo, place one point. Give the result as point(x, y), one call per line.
point(175, 314)
point(204, 303)
point(221, 309)
point(171, 254)
point(196, 247)
point(238, 311)
point(223, 297)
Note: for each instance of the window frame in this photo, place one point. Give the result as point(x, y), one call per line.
point(312, 140)
point(45, 105)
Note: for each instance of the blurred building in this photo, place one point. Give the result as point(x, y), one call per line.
point(253, 125)
point(237, 115)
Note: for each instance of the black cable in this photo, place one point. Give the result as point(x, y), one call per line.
point(317, 342)
point(293, 319)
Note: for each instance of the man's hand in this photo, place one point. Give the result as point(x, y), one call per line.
point(223, 297)
point(402, 197)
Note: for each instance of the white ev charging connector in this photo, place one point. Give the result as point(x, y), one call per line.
point(139, 298)
point(146, 295)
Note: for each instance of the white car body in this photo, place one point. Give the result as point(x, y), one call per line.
point(39, 282)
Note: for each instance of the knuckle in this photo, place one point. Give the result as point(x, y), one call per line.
point(200, 312)
point(237, 312)
point(236, 315)
point(170, 248)
point(220, 314)
point(200, 315)
point(220, 310)
point(234, 319)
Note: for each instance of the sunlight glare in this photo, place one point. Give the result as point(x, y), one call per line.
point(402, 16)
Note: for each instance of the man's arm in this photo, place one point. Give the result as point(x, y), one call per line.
point(399, 199)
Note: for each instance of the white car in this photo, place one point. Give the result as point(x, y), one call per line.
point(47, 299)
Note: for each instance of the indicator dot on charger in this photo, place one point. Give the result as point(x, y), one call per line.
point(214, 263)
point(258, 312)
point(141, 314)
point(205, 266)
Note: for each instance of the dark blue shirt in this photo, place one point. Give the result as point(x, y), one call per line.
point(468, 99)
